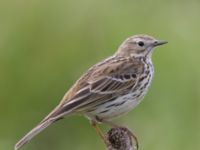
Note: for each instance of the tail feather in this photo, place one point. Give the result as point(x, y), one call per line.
point(55, 115)
point(58, 113)
point(40, 127)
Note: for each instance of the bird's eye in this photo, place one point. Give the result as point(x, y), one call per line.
point(140, 43)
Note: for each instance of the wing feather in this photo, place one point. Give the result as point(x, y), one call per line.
point(101, 83)
point(114, 84)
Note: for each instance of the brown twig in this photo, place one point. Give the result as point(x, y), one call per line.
point(120, 138)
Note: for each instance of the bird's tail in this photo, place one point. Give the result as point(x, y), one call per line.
point(41, 126)
point(58, 113)
point(47, 121)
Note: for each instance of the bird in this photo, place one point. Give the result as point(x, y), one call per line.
point(108, 89)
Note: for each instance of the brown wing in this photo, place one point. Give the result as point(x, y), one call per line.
point(114, 70)
point(106, 89)
point(102, 82)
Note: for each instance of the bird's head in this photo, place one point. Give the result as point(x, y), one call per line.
point(139, 46)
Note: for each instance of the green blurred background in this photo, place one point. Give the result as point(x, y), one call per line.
point(46, 45)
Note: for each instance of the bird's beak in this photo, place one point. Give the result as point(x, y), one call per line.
point(159, 42)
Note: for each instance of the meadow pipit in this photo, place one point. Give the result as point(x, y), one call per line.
point(108, 89)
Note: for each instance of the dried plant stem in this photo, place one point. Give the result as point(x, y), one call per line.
point(120, 138)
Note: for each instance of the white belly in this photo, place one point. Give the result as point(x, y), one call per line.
point(118, 107)
point(122, 105)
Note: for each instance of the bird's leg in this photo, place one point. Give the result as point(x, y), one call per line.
point(99, 132)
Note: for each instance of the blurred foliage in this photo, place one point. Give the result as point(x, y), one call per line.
point(46, 45)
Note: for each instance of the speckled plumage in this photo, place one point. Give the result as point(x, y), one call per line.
point(108, 89)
